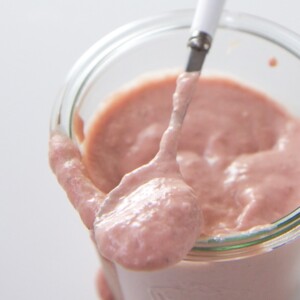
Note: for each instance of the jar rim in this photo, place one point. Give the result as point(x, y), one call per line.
point(226, 246)
point(245, 243)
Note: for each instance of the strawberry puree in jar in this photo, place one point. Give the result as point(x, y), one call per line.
point(218, 217)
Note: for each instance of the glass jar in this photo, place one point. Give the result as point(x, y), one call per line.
point(259, 264)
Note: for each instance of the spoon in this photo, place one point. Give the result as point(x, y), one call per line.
point(152, 218)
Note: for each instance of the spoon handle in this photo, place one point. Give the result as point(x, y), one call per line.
point(203, 28)
point(207, 16)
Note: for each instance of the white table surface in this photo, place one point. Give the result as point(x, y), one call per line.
point(45, 252)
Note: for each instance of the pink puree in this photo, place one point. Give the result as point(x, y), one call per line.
point(237, 153)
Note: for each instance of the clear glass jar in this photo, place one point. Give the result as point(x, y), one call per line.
point(262, 264)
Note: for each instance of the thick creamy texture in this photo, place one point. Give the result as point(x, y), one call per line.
point(153, 199)
point(238, 150)
point(65, 162)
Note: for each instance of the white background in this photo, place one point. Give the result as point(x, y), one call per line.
point(45, 252)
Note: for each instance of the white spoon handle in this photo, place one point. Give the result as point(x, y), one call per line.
point(207, 16)
point(203, 28)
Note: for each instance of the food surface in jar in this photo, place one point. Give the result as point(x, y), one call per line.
point(238, 149)
point(237, 155)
